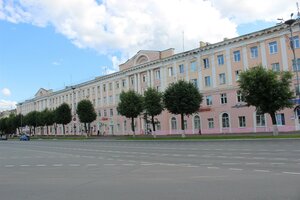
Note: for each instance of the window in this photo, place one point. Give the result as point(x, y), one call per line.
point(242, 121)
point(220, 59)
point(193, 66)
point(254, 52)
point(237, 56)
point(123, 83)
point(110, 86)
point(132, 80)
point(173, 123)
point(240, 97)
point(98, 89)
point(209, 100)
point(275, 67)
point(185, 124)
point(225, 120)
point(194, 82)
point(196, 122)
point(296, 64)
point(222, 78)
point(170, 70)
point(237, 74)
point(110, 99)
point(157, 74)
point(260, 119)
point(125, 125)
point(206, 63)
point(104, 113)
point(104, 100)
point(211, 123)
point(158, 125)
point(296, 42)
point(117, 85)
point(99, 113)
point(280, 119)
point(223, 98)
point(104, 87)
point(273, 47)
point(111, 112)
point(181, 68)
point(207, 81)
point(144, 78)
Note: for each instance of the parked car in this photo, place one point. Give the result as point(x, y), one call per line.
point(3, 137)
point(24, 137)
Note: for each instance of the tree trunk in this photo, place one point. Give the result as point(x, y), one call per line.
point(63, 129)
point(132, 126)
point(182, 126)
point(274, 122)
point(153, 126)
point(47, 130)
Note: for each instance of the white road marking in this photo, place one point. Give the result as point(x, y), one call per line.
point(109, 164)
point(213, 167)
point(236, 169)
point(259, 158)
point(230, 163)
point(91, 165)
point(253, 163)
point(294, 173)
point(278, 163)
point(57, 165)
point(24, 165)
point(261, 170)
point(128, 164)
point(41, 165)
point(205, 164)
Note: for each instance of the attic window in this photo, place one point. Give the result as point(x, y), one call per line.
point(142, 59)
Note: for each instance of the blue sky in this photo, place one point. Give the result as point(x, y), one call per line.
point(43, 48)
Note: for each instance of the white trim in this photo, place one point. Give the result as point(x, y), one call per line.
point(245, 59)
point(284, 54)
point(213, 71)
point(263, 54)
point(228, 66)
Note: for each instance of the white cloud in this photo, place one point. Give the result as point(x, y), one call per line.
point(124, 27)
point(56, 63)
point(6, 92)
point(7, 105)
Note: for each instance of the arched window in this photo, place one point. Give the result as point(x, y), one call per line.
point(196, 122)
point(173, 123)
point(225, 120)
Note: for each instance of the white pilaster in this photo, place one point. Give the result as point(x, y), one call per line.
point(228, 66)
point(263, 55)
point(284, 54)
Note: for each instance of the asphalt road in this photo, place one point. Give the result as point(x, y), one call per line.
point(154, 170)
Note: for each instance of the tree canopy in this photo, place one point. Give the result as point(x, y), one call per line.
point(267, 90)
point(63, 115)
point(153, 104)
point(130, 106)
point(182, 98)
point(86, 113)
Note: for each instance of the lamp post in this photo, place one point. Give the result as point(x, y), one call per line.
point(74, 110)
point(290, 22)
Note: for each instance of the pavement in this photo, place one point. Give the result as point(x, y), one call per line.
point(150, 170)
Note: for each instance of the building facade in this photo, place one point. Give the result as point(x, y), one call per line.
point(213, 68)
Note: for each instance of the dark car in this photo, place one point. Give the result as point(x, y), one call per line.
point(24, 137)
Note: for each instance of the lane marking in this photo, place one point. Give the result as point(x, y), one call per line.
point(213, 167)
point(261, 170)
point(57, 165)
point(230, 163)
point(253, 163)
point(294, 173)
point(24, 165)
point(91, 165)
point(108, 164)
point(128, 164)
point(236, 169)
point(278, 163)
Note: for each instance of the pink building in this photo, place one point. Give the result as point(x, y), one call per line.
point(213, 68)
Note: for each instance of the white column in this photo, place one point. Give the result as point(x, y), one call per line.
point(213, 70)
point(163, 78)
point(284, 54)
point(263, 54)
point(148, 79)
point(228, 66)
point(138, 83)
point(152, 77)
point(245, 58)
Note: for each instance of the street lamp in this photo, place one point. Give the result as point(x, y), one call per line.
point(74, 110)
point(290, 23)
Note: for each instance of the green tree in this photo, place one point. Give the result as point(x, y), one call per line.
point(130, 106)
point(182, 98)
point(153, 104)
point(86, 114)
point(31, 120)
point(267, 90)
point(49, 117)
point(63, 115)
